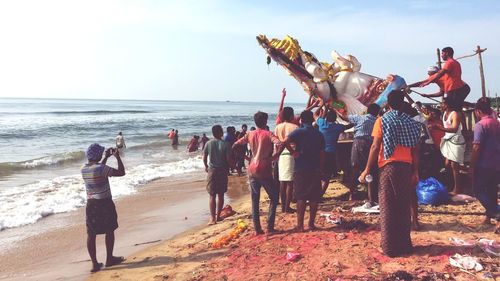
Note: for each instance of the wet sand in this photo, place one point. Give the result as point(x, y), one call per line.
point(55, 247)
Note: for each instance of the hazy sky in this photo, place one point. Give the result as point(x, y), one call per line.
point(206, 50)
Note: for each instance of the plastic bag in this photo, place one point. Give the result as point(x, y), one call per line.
point(432, 192)
point(292, 256)
point(466, 262)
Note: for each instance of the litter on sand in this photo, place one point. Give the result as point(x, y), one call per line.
point(292, 256)
point(466, 262)
point(331, 218)
point(489, 246)
point(367, 208)
point(461, 242)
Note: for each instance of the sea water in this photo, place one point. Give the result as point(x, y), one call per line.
point(43, 143)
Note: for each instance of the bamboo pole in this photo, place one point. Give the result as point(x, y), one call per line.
point(481, 71)
point(439, 58)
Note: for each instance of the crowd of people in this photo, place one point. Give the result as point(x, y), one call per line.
point(392, 149)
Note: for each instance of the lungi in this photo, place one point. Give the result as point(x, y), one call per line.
point(453, 148)
point(394, 199)
point(286, 164)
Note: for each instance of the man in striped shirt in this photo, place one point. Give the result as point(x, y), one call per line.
point(363, 127)
point(101, 217)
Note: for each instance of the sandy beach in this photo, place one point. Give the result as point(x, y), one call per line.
point(55, 249)
point(349, 251)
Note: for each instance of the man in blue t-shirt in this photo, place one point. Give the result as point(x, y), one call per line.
point(310, 146)
point(325, 120)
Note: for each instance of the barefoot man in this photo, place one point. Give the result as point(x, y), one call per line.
point(217, 159)
point(310, 145)
point(101, 214)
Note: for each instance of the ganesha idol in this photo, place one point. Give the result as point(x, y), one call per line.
point(340, 84)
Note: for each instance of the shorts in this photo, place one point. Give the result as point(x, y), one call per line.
point(329, 166)
point(458, 96)
point(217, 181)
point(101, 216)
point(286, 165)
point(360, 151)
point(307, 185)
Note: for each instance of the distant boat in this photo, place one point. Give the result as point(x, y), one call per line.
point(228, 101)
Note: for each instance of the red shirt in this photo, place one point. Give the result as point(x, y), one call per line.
point(436, 134)
point(262, 145)
point(452, 79)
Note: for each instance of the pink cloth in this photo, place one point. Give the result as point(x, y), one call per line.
point(261, 144)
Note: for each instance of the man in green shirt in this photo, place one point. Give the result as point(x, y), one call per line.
point(217, 159)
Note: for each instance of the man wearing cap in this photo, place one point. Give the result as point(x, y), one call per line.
point(431, 70)
point(451, 78)
point(101, 217)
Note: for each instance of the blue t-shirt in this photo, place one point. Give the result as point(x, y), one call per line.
point(230, 139)
point(331, 132)
point(310, 144)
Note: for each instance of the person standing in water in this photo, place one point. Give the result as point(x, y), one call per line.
point(193, 144)
point(120, 144)
point(171, 134)
point(203, 141)
point(175, 139)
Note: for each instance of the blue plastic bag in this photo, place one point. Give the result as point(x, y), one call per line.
point(432, 192)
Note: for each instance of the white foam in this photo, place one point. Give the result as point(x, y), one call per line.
point(53, 159)
point(29, 203)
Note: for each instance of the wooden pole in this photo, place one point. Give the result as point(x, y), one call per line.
point(498, 104)
point(481, 71)
point(439, 58)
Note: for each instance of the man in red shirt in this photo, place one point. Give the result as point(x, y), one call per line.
point(262, 142)
point(451, 77)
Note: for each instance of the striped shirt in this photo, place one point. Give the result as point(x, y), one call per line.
point(398, 129)
point(96, 180)
point(363, 125)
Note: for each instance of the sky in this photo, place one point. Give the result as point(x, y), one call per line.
point(206, 50)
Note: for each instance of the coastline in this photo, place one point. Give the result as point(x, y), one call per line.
point(55, 248)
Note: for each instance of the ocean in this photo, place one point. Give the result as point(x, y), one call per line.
point(42, 144)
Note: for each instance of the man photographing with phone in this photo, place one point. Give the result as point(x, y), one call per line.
point(101, 217)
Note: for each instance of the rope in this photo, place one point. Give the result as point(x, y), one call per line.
point(422, 95)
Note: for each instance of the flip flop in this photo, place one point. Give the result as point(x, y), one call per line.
point(97, 268)
point(115, 261)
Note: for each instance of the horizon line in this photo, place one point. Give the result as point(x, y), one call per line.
point(161, 100)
